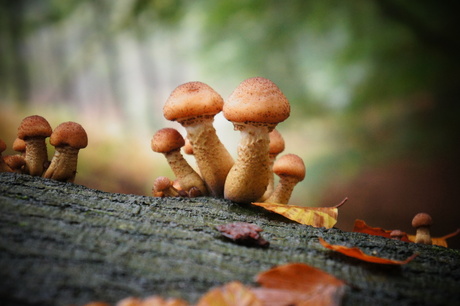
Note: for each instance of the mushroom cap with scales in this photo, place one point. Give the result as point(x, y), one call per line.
point(192, 99)
point(34, 126)
point(290, 165)
point(257, 100)
point(71, 134)
point(167, 140)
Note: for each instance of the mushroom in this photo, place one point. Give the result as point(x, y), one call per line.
point(19, 145)
point(422, 223)
point(194, 106)
point(291, 170)
point(33, 130)
point(3, 166)
point(397, 234)
point(255, 107)
point(67, 138)
point(169, 142)
point(276, 147)
point(163, 187)
point(15, 162)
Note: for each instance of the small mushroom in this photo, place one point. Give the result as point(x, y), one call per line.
point(15, 162)
point(276, 147)
point(169, 142)
point(291, 170)
point(255, 107)
point(397, 234)
point(34, 130)
point(422, 222)
point(194, 106)
point(19, 145)
point(163, 187)
point(3, 166)
point(67, 138)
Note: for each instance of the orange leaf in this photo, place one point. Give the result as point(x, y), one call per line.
point(298, 284)
point(234, 293)
point(357, 253)
point(151, 301)
point(314, 216)
point(440, 241)
point(361, 227)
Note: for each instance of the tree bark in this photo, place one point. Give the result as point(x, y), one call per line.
point(65, 244)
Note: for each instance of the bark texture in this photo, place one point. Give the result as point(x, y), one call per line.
point(65, 244)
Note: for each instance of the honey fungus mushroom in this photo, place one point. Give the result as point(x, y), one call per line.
point(34, 130)
point(255, 107)
point(275, 147)
point(291, 170)
point(67, 138)
point(194, 106)
point(169, 142)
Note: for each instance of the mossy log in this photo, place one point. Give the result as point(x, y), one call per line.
point(65, 244)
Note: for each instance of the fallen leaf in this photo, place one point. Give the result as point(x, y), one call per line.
point(358, 254)
point(314, 216)
point(298, 284)
point(243, 233)
point(361, 227)
point(231, 294)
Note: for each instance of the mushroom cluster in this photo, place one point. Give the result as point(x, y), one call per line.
point(255, 108)
point(32, 158)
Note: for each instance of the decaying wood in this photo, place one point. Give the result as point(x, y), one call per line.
point(65, 244)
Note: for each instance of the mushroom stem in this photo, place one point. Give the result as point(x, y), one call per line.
point(423, 235)
point(63, 165)
point(212, 158)
point(248, 178)
point(283, 190)
point(36, 156)
point(188, 178)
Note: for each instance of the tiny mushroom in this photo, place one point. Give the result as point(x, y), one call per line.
point(194, 106)
point(163, 187)
point(397, 234)
point(33, 130)
point(276, 147)
point(169, 142)
point(255, 107)
point(291, 170)
point(3, 166)
point(19, 145)
point(422, 222)
point(15, 162)
point(67, 138)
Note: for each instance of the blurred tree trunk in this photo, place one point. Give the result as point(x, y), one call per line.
point(65, 244)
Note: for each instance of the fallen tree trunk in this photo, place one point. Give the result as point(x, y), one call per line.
point(65, 244)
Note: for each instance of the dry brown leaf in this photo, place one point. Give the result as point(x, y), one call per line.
point(298, 284)
point(361, 227)
point(314, 216)
point(231, 294)
point(358, 254)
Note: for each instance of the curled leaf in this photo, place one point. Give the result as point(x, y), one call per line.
point(234, 293)
point(358, 254)
point(243, 233)
point(314, 216)
point(298, 284)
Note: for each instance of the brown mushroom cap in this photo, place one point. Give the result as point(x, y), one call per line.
point(257, 100)
point(290, 165)
point(161, 183)
point(19, 145)
point(167, 140)
point(34, 126)
point(71, 134)
point(192, 99)
point(422, 219)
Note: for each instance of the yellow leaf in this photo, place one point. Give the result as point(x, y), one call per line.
point(231, 294)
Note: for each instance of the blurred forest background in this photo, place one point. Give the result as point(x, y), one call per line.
point(373, 85)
